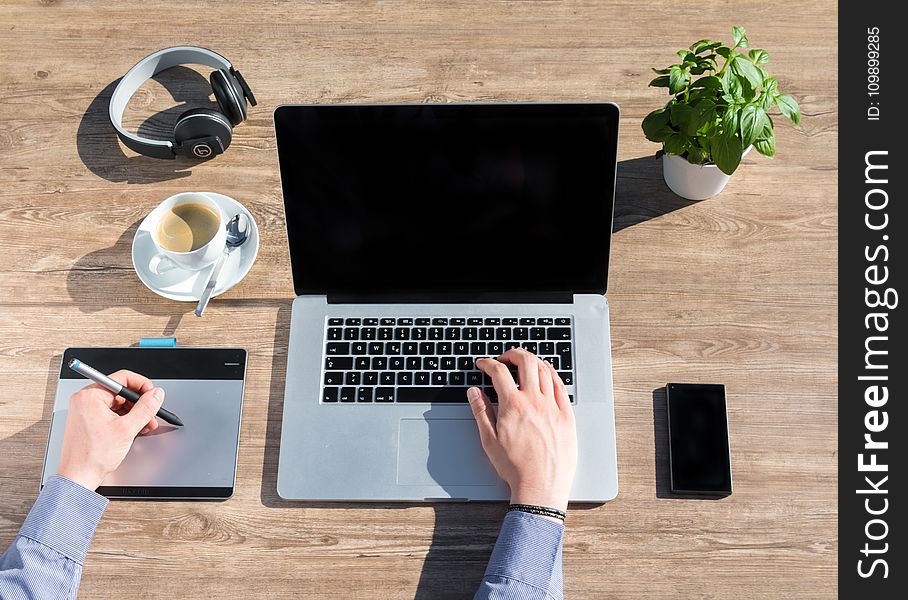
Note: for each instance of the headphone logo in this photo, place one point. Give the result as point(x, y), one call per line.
point(201, 150)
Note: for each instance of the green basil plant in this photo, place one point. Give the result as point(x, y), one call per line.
point(715, 117)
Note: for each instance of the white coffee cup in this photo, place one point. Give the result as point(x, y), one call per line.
point(204, 253)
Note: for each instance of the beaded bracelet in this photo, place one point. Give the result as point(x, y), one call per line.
point(544, 511)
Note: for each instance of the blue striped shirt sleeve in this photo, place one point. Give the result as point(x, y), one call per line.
point(526, 561)
point(45, 560)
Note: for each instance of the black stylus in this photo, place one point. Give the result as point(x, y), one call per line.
point(119, 389)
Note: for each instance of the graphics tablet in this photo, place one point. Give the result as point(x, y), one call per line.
point(203, 386)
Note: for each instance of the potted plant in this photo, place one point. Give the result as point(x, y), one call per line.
point(715, 115)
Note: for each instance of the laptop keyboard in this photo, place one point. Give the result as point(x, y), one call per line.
point(424, 359)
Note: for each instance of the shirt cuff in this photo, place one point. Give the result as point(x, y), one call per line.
point(65, 517)
point(529, 550)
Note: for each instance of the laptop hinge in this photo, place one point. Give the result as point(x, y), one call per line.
point(550, 297)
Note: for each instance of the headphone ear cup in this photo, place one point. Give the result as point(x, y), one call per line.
point(229, 95)
point(202, 132)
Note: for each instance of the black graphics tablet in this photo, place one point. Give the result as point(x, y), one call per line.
point(203, 386)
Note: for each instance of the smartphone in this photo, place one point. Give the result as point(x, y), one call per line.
point(699, 454)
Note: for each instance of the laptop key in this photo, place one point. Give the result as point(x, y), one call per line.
point(333, 378)
point(354, 322)
point(474, 378)
point(422, 378)
point(509, 345)
point(474, 321)
point(443, 348)
point(521, 333)
point(384, 394)
point(527, 321)
point(364, 395)
point(478, 349)
point(452, 333)
point(465, 363)
point(461, 348)
point(563, 321)
point(392, 348)
point(530, 347)
point(547, 348)
point(456, 378)
point(402, 333)
point(470, 333)
point(430, 363)
point(385, 333)
point(358, 347)
point(337, 348)
point(386, 378)
point(503, 333)
point(537, 333)
point(347, 394)
point(432, 394)
point(439, 321)
point(376, 348)
point(419, 333)
point(556, 362)
point(496, 349)
point(411, 348)
point(550, 321)
point(448, 363)
point(352, 378)
point(335, 321)
point(351, 333)
point(370, 378)
point(379, 363)
point(440, 378)
point(387, 321)
point(559, 333)
point(337, 363)
point(458, 321)
point(329, 394)
point(405, 378)
point(567, 377)
point(509, 321)
point(427, 348)
point(436, 333)
point(334, 333)
point(362, 363)
point(566, 354)
point(487, 333)
point(423, 321)
point(368, 333)
point(414, 363)
point(493, 321)
point(396, 363)
point(405, 321)
point(370, 322)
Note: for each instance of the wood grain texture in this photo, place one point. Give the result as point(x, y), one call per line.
point(739, 289)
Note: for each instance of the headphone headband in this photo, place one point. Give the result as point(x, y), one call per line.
point(144, 70)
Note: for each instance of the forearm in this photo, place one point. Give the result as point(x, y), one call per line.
point(45, 560)
point(526, 561)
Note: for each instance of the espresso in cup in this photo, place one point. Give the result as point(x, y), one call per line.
point(187, 227)
point(188, 230)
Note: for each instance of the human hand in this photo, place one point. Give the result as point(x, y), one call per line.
point(532, 443)
point(100, 428)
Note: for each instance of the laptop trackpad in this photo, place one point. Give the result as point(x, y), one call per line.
point(442, 452)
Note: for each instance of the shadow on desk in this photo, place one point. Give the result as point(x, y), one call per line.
point(100, 150)
point(25, 449)
point(641, 193)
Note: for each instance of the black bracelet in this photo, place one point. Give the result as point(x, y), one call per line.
point(544, 511)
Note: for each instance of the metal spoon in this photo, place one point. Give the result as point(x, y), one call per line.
point(237, 234)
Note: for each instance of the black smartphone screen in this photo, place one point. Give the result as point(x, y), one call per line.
point(698, 439)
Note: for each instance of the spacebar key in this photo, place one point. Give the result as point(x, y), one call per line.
point(432, 394)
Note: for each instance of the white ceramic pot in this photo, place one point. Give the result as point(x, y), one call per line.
point(694, 182)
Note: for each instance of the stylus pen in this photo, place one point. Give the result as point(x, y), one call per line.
point(133, 396)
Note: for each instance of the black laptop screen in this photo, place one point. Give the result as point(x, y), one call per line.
point(388, 199)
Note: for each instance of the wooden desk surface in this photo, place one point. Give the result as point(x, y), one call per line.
point(739, 289)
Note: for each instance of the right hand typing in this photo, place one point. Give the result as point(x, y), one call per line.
point(532, 442)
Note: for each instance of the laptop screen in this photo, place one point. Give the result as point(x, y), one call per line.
point(434, 198)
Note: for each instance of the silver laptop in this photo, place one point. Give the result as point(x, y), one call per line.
point(422, 237)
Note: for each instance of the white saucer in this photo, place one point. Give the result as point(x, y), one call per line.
point(176, 283)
